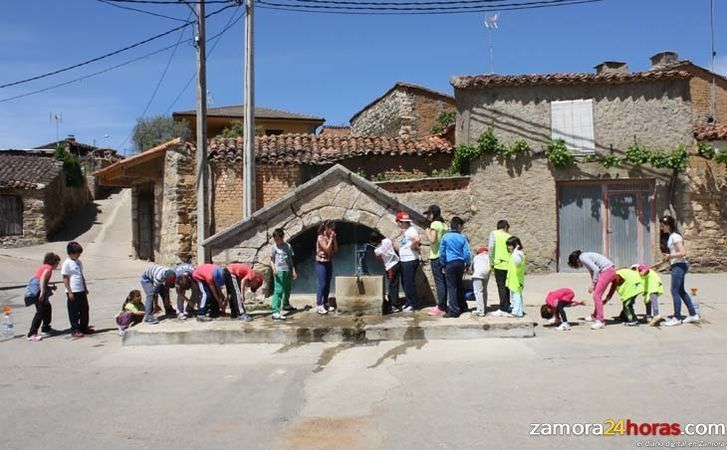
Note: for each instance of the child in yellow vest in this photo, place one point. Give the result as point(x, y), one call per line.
point(515, 281)
point(653, 288)
point(629, 285)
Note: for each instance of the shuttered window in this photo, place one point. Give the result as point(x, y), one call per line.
point(572, 121)
point(11, 215)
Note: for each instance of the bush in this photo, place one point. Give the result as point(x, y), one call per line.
point(444, 119)
point(558, 154)
point(157, 130)
point(71, 167)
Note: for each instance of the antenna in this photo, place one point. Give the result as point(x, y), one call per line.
point(58, 119)
point(491, 24)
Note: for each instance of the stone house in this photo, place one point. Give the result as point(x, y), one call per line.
point(268, 121)
point(34, 198)
point(405, 110)
point(587, 205)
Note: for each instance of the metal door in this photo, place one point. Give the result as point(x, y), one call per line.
point(580, 221)
point(623, 233)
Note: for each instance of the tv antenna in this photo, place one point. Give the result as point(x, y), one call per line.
point(57, 119)
point(491, 24)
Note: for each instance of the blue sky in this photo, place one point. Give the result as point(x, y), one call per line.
point(319, 64)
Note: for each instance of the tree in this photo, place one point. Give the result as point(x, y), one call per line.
point(157, 130)
point(237, 129)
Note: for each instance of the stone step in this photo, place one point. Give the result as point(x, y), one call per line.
point(306, 326)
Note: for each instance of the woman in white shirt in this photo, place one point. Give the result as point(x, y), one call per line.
point(677, 258)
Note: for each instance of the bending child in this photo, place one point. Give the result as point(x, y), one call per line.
point(555, 304)
point(629, 285)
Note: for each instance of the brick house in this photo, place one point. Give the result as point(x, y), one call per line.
point(588, 206)
point(268, 121)
point(34, 198)
point(405, 110)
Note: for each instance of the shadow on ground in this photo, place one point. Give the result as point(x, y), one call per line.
point(77, 224)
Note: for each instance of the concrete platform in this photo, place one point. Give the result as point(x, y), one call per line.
point(307, 326)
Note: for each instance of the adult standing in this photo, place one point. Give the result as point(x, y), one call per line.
point(677, 259)
point(455, 257)
point(435, 232)
point(603, 272)
point(408, 259)
point(326, 247)
point(43, 309)
point(499, 260)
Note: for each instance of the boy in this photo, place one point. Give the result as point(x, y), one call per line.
point(76, 291)
point(385, 251)
point(237, 277)
point(184, 282)
point(209, 278)
point(455, 257)
point(281, 263)
point(555, 304)
point(629, 285)
point(155, 282)
point(480, 276)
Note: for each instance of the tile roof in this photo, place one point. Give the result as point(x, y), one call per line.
point(711, 132)
point(260, 113)
point(561, 79)
point(321, 150)
point(27, 171)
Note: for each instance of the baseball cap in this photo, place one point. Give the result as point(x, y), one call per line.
point(482, 249)
point(219, 276)
point(169, 277)
point(401, 216)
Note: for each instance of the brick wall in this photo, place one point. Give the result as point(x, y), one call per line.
point(701, 92)
point(426, 185)
point(427, 108)
point(274, 181)
point(397, 167)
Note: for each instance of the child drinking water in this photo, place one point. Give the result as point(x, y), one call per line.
point(515, 281)
point(132, 312)
point(555, 304)
point(480, 276)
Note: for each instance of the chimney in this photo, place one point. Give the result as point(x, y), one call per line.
point(612, 67)
point(71, 138)
point(663, 59)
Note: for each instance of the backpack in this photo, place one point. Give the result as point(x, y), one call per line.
point(32, 292)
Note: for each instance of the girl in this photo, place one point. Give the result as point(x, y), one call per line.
point(480, 276)
point(436, 230)
point(677, 258)
point(602, 272)
point(629, 285)
point(555, 304)
point(408, 247)
point(515, 280)
point(43, 309)
point(653, 288)
point(132, 312)
point(326, 247)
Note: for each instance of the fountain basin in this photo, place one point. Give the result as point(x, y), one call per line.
point(362, 294)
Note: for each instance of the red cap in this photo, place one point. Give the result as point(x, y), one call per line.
point(401, 216)
point(482, 249)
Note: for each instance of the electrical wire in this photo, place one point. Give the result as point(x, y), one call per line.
point(444, 2)
point(170, 2)
point(108, 55)
point(478, 8)
point(107, 2)
point(364, 12)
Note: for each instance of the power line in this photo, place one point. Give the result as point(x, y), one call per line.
point(107, 55)
point(450, 8)
point(433, 11)
point(107, 2)
point(108, 69)
point(445, 2)
point(170, 2)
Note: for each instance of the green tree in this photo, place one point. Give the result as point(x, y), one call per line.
point(236, 129)
point(71, 167)
point(157, 130)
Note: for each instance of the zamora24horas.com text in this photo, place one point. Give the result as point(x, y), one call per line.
point(628, 427)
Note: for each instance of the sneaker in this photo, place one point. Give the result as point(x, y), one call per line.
point(691, 319)
point(278, 316)
point(245, 317)
point(672, 322)
point(151, 320)
point(182, 316)
point(597, 325)
point(77, 334)
point(478, 313)
point(35, 338)
point(633, 323)
point(520, 316)
point(450, 316)
point(435, 312)
point(655, 321)
point(396, 308)
point(122, 332)
point(589, 319)
point(290, 308)
point(409, 309)
point(204, 319)
point(89, 330)
point(565, 326)
point(321, 310)
point(50, 332)
point(330, 308)
point(499, 313)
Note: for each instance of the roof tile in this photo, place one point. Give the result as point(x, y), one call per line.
point(711, 132)
point(485, 81)
point(32, 171)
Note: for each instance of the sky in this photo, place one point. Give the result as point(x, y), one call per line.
point(318, 64)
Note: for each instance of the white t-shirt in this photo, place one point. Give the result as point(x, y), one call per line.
point(406, 253)
point(387, 253)
point(671, 243)
point(73, 270)
point(481, 266)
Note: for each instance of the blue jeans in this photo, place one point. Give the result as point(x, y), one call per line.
point(455, 287)
point(678, 293)
point(440, 283)
point(152, 292)
point(324, 272)
point(516, 299)
point(408, 280)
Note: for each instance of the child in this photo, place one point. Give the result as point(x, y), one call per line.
point(515, 275)
point(602, 271)
point(384, 250)
point(76, 291)
point(43, 309)
point(480, 276)
point(132, 312)
point(184, 282)
point(210, 278)
point(554, 307)
point(281, 262)
point(653, 288)
point(156, 282)
point(237, 277)
point(455, 258)
point(629, 285)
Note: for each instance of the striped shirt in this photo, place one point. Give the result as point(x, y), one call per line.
point(155, 274)
point(182, 269)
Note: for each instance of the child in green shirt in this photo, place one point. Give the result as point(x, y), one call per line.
point(281, 262)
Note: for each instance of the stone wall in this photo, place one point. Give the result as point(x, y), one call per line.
point(397, 167)
point(34, 231)
point(178, 212)
point(63, 201)
point(656, 114)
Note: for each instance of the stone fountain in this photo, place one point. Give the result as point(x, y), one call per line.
point(362, 293)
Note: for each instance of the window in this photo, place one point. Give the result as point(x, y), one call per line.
point(11, 215)
point(572, 121)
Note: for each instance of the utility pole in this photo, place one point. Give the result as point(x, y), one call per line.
point(248, 160)
point(202, 205)
point(712, 56)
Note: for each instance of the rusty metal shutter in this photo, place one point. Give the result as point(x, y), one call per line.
point(11, 215)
